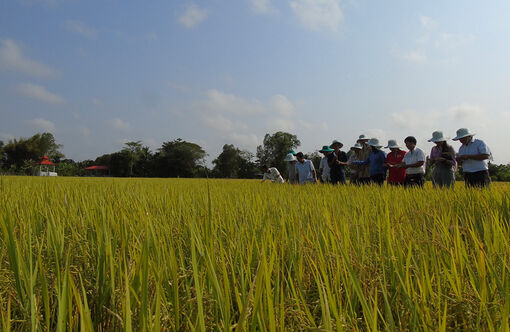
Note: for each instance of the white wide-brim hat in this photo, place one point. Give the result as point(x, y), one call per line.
point(356, 146)
point(362, 137)
point(461, 133)
point(374, 142)
point(290, 157)
point(336, 142)
point(392, 144)
point(438, 136)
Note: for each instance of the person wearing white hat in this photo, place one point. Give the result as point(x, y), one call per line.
point(473, 156)
point(364, 170)
point(442, 157)
point(272, 174)
point(396, 175)
point(355, 156)
point(375, 161)
point(337, 161)
point(291, 160)
point(414, 162)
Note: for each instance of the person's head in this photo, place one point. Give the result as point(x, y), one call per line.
point(393, 146)
point(336, 145)
point(464, 136)
point(395, 150)
point(363, 139)
point(264, 168)
point(326, 150)
point(300, 157)
point(465, 140)
point(410, 142)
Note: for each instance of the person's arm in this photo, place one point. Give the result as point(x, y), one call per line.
point(418, 164)
point(264, 178)
point(361, 163)
point(480, 156)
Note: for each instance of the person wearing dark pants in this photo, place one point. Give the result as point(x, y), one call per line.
point(337, 160)
point(413, 162)
point(376, 161)
point(473, 156)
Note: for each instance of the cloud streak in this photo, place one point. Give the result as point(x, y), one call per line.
point(39, 93)
point(193, 16)
point(43, 125)
point(318, 14)
point(11, 58)
point(80, 28)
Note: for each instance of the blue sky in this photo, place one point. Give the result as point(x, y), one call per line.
point(100, 73)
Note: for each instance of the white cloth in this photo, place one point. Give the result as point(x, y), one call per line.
point(475, 146)
point(305, 171)
point(412, 157)
point(273, 175)
point(325, 169)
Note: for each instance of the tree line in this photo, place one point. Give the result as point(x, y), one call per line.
point(177, 158)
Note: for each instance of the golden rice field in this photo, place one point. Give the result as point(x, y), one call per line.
point(99, 254)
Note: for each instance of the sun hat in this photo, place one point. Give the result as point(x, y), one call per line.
point(461, 133)
point(336, 142)
point(438, 136)
point(292, 152)
point(326, 148)
point(289, 157)
point(362, 137)
point(374, 142)
point(356, 146)
point(392, 144)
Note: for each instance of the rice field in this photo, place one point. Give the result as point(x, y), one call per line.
point(106, 254)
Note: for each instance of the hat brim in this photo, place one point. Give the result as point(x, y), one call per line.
point(375, 146)
point(435, 140)
point(332, 145)
point(459, 137)
point(393, 147)
point(330, 150)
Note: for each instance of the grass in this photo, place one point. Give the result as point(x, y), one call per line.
point(156, 255)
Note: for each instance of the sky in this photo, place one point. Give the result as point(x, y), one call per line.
point(98, 74)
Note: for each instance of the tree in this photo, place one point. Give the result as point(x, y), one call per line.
point(19, 152)
point(234, 163)
point(179, 158)
point(274, 149)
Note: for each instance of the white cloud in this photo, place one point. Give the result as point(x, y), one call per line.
point(81, 29)
point(318, 14)
point(220, 101)
point(282, 106)
point(469, 115)
point(119, 124)
point(263, 6)
point(11, 58)
point(193, 16)
point(281, 124)
point(218, 122)
point(43, 125)
point(428, 23)
point(38, 92)
point(414, 56)
point(245, 141)
point(97, 102)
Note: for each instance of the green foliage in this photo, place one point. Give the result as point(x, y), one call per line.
point(179, 158)
point(19, 151)
point(234, 163)
point(275, 147)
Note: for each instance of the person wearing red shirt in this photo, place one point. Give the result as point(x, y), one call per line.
point(397, 175)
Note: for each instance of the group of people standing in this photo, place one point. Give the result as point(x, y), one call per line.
point(368, 163)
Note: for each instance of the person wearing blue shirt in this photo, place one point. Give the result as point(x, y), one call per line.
point(375, 160)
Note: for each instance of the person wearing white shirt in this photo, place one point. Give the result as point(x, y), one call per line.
point(473, 156)
point(272, 174)
point(305, 170)
point(413, 162)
